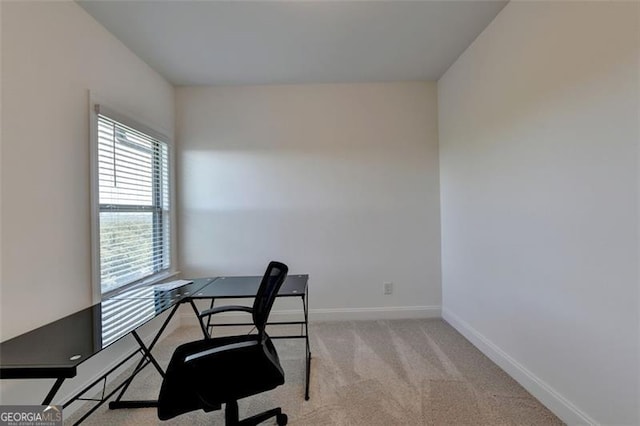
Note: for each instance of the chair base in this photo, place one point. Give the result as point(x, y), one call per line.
point(232, 419)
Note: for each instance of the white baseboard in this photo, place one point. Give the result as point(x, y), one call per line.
point(331, 314)
point(376, 313)
point(552, 399)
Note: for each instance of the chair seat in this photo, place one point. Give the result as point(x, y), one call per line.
point(211, 379)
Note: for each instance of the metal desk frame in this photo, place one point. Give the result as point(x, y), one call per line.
point(172, 301)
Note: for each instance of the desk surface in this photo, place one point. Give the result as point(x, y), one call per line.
point(232, 287)
point(56, 349)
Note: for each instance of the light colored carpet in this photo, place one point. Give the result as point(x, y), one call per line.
point(406, 372)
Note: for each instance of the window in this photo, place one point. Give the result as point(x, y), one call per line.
point(132, 220)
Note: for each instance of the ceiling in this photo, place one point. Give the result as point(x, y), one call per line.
point(268, 42)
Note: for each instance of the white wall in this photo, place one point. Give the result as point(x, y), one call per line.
point(338, 181)
point(539, 139)
point(53, 53)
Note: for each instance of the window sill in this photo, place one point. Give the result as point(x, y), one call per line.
point(154, 279)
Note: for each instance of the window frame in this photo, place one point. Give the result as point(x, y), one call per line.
point(97, 107)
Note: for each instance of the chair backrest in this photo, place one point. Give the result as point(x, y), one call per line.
point(271, 282)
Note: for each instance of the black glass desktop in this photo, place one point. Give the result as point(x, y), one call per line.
point(55, 350)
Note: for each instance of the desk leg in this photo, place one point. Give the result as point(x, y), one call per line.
point(305, 302)
point(209, 326)
point(53, 391)
point(147, 353)
point(123, 404)
point(205, 329)
point(147, 356)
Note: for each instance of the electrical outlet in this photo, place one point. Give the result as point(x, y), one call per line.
point(387, 288)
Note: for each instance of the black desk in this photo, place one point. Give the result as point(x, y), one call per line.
point(55, 350)
point(247, 287)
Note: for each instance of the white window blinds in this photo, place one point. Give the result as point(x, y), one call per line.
point(134, 202)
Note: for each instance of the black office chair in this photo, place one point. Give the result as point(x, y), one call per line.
point(208, 373)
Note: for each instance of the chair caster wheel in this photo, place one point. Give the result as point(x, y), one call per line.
point(282, 419)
